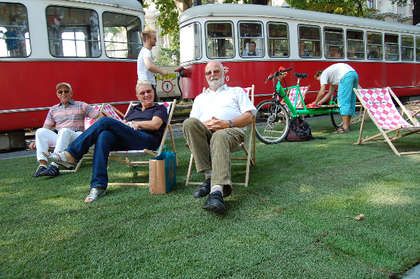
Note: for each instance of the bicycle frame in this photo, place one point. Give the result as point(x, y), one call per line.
point(281, 92)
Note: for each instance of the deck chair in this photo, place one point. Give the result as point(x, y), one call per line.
point(106, 110)
point(140, 158)
point(298, 99)
point(247, 147)
point(393, 125)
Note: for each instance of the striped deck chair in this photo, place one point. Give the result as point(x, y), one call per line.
point(393, 125)
point(247, 146)
point(106, 110)
point(298, 99)
point(140, 158)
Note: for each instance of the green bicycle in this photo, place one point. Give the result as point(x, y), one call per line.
point(274, 115)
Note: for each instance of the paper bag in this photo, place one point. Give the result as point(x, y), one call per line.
point(162, 173)
point(157, 181)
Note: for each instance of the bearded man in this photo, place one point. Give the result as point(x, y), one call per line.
point(213, 130)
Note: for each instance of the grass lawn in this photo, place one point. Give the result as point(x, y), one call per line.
point(295, 220)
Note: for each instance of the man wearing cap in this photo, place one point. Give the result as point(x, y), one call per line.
point(67, 118)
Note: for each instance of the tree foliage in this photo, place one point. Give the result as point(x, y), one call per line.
point(342, 7)
point(168, 21)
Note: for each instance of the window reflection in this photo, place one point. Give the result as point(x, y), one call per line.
point(220, 40)
point(309, 41)
point(251, 42)
point(121, 35)
point(14, 31)
point(278, 40)
point(73, 32)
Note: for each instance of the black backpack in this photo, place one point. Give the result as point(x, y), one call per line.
point(299, 130)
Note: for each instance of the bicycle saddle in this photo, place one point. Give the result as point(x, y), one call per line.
point(301, 75)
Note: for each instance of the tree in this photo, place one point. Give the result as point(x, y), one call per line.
point(168, 21)
point(416, 9)
point(348, 7)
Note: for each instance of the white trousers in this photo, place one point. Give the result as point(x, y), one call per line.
point(45, 138)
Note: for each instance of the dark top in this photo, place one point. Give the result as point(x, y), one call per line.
point(136, 114)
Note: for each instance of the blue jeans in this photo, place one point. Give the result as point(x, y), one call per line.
point(109, 135)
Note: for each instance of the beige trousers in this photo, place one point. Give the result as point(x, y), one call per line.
point(211, 151)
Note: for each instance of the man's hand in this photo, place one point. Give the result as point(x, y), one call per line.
point(216, 124)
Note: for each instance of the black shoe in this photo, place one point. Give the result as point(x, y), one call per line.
point(203, 190)
point(227, 190)
point(215, 203)
point(39, 170)
point(51, 171)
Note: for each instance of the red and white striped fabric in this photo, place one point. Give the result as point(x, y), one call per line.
point(379, 103)
point(109, 111)
point(295, 99)
point(89, 121)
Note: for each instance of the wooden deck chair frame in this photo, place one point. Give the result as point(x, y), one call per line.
point(389, 135)
point(247, 146)
point(106, 110)
point(140, 158)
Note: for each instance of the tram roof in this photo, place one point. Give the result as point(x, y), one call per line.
point(130, 4)
point(261, 11)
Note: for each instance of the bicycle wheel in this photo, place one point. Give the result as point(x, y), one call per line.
point(272, 122)
point(337, 121)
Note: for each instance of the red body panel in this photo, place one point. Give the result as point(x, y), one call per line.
point(32, 85)
point(403, 78)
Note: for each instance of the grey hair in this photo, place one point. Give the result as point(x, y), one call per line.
point(141, 83)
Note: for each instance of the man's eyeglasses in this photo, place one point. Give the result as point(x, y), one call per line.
point(61, 92)
point(141, 93)
point(215, 72)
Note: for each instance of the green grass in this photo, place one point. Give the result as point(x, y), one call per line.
point(295, 220)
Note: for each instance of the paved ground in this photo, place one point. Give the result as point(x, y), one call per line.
point(17, 154)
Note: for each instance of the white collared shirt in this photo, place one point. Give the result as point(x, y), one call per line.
point(226, 103)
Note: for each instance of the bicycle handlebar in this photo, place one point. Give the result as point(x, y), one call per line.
point(278, 74)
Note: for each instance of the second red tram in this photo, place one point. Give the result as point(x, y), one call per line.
point(253, 40)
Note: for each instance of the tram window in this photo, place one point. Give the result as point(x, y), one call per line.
point(309, 41)
point(121, 35)
point(191, 36)
point(278, 39)
point(73, 32)
point(251, 41)
point(333, 43)
point(14, 31)
point(392, 51)
point(407, 48)
point(355, 45)
point(220, 40)
point(418, 49)
point(374, 46)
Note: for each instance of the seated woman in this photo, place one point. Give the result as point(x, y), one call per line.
point(142, 128)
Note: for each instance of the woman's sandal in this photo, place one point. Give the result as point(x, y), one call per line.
point(341, 130)
point(61, 159)
point(94, 194)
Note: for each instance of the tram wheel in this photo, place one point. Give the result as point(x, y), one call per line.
point(272, 122)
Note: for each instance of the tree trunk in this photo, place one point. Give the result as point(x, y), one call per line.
point(259, 2)
point(416, 12)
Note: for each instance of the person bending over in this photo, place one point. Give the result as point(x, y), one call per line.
point(346, 78)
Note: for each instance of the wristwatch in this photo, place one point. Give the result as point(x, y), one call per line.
point(230, 123)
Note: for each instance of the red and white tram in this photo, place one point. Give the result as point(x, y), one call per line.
point(384, 54)
point(93, 44)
